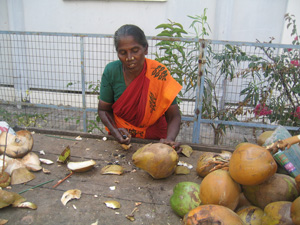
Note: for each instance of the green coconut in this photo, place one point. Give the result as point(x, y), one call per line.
point(279, 187)
point(159, 160)
point(185, 197)
point(251, 215)
point(278, 213)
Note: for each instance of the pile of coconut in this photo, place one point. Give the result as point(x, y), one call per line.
point(17, 159)
point(239, 187)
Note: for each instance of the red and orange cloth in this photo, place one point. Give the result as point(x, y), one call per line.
point(141, 107)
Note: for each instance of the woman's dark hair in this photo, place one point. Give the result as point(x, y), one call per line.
point(130, 30)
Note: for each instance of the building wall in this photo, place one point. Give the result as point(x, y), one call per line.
point(233, 20)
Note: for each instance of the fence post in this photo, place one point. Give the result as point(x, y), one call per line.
point(199, 92)
point(83, 84)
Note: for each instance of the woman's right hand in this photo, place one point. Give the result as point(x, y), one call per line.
point(122, 136)
point(106, 115)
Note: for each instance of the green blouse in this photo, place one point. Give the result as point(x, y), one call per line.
point(113, 83)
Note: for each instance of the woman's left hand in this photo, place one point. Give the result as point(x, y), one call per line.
point(173, 144)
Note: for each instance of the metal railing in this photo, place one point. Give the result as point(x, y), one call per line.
point(51, 80)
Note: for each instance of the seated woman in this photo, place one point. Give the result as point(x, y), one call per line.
point(137, 94)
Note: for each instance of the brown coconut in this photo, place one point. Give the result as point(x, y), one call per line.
point(220, 189)
point(295, 211)
point(263, 137)
point(251, 215)
point(212, 214)
point(243, 202)
point(251, 164)
point(277, 213)
point(279, 187)
point(17, 145)
point(159, 160)
point(297, 179)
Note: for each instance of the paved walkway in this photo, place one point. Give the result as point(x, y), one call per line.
point(134, 189)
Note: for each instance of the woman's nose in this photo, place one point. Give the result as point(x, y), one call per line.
point(129, 56)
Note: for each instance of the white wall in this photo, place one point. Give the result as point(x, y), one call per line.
point(293, 8)
point(248, 20)
point(234, 20)
point(4, 23)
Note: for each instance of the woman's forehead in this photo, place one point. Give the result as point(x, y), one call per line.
point(127, 42)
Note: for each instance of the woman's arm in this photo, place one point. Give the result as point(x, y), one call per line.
point(173, 118)
point(106, 115)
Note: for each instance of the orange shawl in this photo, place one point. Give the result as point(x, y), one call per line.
point(146, 99)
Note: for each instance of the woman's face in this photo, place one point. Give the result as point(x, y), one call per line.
point(131, 54)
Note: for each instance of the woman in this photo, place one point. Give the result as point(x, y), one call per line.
point(138, 95)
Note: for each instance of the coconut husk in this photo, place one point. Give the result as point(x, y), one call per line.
point(32, 162)
point(12, 164)
point(81, 166)
point(112, 170)
point(1, 164)
point(69, 195)
point(17, 145)
point(182, 170)
point(21, 175)
point(10, 198)
point(186, 150)
point(6, 198)
point(4, 179)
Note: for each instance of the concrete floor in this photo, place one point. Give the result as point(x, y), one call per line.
point(134, 189)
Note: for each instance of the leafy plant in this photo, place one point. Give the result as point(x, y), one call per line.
point(23, 119)
point(181, 58)
point(274, 89)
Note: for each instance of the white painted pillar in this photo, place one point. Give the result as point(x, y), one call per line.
point(19, 59)
point(223, 16)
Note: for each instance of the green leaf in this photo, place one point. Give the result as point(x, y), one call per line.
point(179, 25)
point(165, 34)
point(179, 31)
point(229, 47)
point(164, 26)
